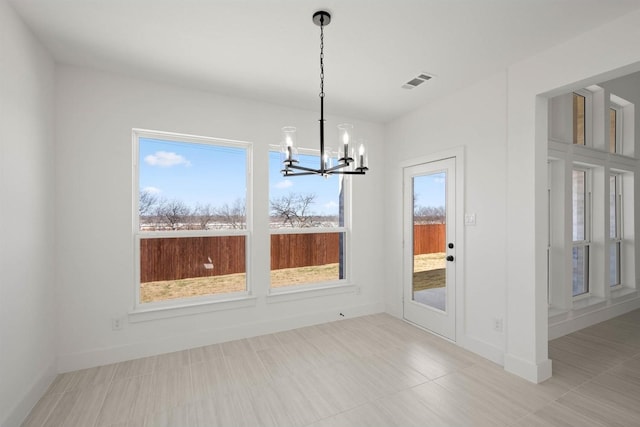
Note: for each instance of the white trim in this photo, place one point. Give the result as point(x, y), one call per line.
point(308, 230)
point(536, 373)
point(189, 306)
point(294, 293)
point(571, 322)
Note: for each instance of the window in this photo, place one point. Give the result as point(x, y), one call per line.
point(615, 229)
point(581, 228)
point(613, 133)
point(191, 220)
point(616, 119)
point(309, 227)
point(579, 119)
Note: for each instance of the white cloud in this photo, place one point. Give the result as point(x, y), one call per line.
point(439, 180)
point(151, 190)
point(284, 184)
point(166, 159)
point(331, 205)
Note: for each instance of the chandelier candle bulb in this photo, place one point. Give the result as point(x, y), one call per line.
point(361, 152)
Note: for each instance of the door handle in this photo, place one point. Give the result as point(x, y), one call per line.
point(450, 258)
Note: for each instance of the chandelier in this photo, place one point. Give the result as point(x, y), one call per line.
point(345, 163)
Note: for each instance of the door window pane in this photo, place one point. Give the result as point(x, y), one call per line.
point(429, 240)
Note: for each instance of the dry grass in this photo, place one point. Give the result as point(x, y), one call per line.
point(428, 271)
point(198, 286)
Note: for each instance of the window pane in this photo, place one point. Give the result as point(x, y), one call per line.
point(579, 205)
point(614, 264)
point(579, 106)
point(613, 207)
point(580, 270)
point(304, 201)
point(185, 267)
point(191, 186)
point(307, 258)
point(612, 130)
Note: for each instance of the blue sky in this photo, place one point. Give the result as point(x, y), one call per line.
point(206, 174)
point(430, 190)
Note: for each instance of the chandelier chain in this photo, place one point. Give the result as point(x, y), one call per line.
point(321, 57)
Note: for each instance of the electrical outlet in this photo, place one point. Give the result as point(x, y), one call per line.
point(117, 323)
point(498, 324)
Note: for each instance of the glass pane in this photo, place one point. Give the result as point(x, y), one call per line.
point(613, 207)
point(580, 270)
point(612, 130)
point(614, 264)
point(304, 201)
point(429, 240)
point(307, 258)
point(579, 205)
point(579, 104)
point(190, 186)
point(184, 267)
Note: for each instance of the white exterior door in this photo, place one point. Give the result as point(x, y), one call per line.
point(430, 246)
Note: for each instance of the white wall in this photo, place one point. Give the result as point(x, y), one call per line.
point(27, 297)
point(95, 115)
point(502, 123)
point(473, 118)
point(601, 54)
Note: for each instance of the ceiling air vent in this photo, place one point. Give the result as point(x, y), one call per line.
point(417, 81)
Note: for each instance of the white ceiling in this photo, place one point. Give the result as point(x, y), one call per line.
point(268, 49)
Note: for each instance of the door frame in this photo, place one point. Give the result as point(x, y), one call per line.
point(458, 154)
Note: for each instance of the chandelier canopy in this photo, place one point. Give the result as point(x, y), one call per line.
point(346, 164)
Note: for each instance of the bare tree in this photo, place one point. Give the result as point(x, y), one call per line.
point(430, 214)
point(203, 215)
point(173, 213)
point(235, 215)
point(294, 209)
point(146, 203)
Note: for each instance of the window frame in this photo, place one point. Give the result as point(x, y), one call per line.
point(138, 235)
point(619, 226)
point(619, 128)
point(588, 217)
point(346, 229)
point(588, 117)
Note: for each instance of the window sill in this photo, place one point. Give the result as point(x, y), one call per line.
point(622, 294)
point(186, 309)
point(297, 293)
point(587, 304)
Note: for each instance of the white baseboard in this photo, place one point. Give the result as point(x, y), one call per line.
point(570, 324)
point(534, 372)
point(481, 348)
point(17, 415)
point(105, 356)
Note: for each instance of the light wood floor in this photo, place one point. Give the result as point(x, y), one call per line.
point(368, 371)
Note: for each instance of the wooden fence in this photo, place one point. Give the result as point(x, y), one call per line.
point(429, 238)
point(174, 258)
